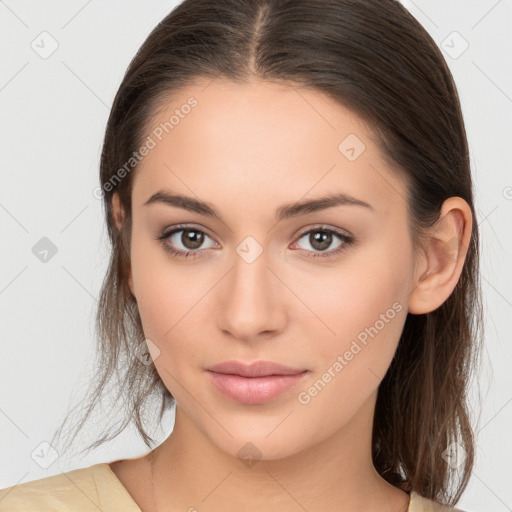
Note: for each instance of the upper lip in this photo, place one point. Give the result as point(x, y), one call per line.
point(256, 369)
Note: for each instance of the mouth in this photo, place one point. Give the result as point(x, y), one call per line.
point(257, 383)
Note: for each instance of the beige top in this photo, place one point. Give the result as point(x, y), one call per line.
point(97, 488)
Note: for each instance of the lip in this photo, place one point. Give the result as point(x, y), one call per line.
point(256, 369)
point(257, 383)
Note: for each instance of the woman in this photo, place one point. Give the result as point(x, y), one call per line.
point(294, 266)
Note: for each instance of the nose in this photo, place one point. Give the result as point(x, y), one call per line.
point(252, 300)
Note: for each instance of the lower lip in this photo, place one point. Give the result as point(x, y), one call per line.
point(254, 390)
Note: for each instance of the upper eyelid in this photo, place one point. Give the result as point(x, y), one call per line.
point(178, 228)
point(337, 231)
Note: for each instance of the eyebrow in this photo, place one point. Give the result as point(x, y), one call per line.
point(284, 212)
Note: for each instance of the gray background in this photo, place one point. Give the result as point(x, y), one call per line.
point(53, 115)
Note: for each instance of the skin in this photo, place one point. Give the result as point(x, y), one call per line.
point(248, 149)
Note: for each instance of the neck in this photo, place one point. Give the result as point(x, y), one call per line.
point(190, 472)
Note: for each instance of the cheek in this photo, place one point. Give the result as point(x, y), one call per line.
point(162, 288)
point(169, 299)
point(364, 311)
point(362, 308)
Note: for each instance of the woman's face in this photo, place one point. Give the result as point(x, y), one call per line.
point(269, 279)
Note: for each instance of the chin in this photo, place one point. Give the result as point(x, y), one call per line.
point(260, 446)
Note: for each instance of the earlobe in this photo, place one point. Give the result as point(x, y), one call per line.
point(443, 257)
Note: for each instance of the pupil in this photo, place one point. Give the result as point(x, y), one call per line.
point(321, 240)
point(192, 239)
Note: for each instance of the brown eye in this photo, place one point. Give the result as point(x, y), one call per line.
point(321, 239)
point(192, 238)
point(184, 241)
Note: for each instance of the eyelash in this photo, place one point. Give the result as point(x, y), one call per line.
point(347, 240)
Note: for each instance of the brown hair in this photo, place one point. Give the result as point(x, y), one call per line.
point(374, 58)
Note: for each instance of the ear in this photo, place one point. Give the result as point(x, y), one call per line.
point(117, 210)
point(442, 257)
point(118, 215)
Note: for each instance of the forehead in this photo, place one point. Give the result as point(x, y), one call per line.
point(261, 141)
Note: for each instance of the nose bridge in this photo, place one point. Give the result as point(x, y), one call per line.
point(250, 276)
point(249, 302)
